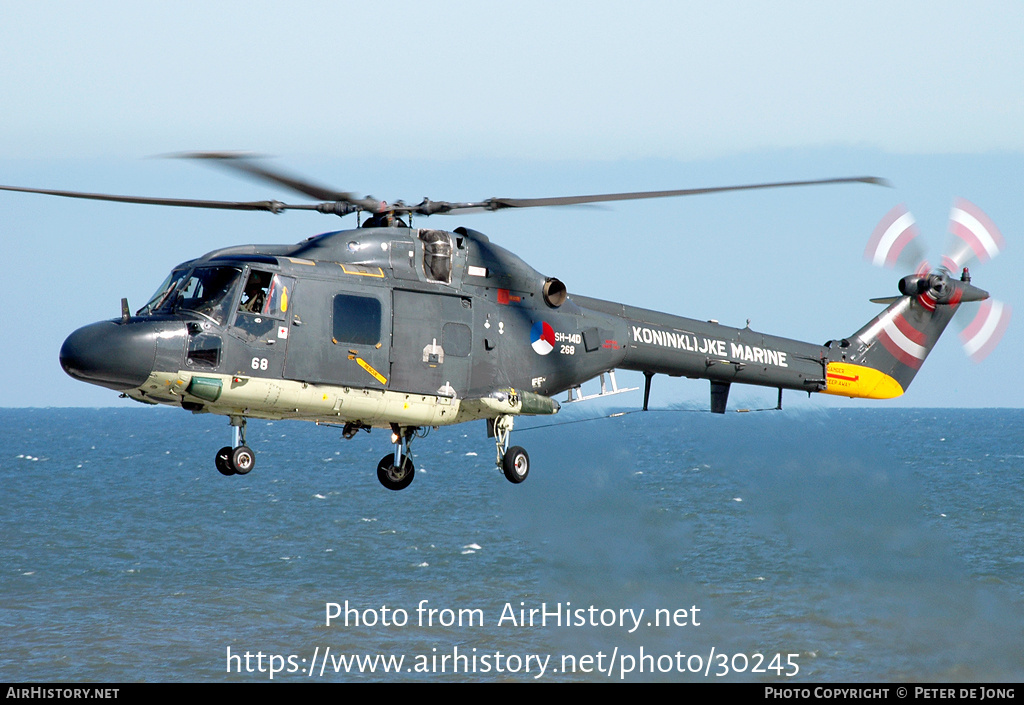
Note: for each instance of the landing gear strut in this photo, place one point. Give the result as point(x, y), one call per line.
point(395, 470)
point(514, 461)
point(238, 459)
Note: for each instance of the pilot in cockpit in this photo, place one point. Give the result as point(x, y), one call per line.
point(255, 294)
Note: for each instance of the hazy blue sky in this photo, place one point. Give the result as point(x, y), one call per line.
point(467, 100)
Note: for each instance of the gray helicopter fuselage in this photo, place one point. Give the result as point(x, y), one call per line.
point(427, 313)
point(407, 328)
point(403, 328)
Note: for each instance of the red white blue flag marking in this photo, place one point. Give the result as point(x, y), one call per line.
point(542, 338)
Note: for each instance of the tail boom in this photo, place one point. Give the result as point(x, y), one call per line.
point(878, 362)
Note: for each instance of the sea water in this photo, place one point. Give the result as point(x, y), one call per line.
point(782, 547)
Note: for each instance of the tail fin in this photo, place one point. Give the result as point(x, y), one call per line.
point(881, 359)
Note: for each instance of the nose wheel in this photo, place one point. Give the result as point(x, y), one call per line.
point(238, 459)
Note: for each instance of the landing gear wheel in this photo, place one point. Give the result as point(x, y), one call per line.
point(242, 460)
point(395, 478)
point(223, 461)
point(516, 464)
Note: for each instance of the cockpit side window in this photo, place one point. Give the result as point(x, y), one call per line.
point(279, 296)
point(264, 301)
point(255, 295)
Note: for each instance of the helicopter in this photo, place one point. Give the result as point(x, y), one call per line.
point(406, 328)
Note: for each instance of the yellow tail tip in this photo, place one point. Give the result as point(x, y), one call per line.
point(848, 380)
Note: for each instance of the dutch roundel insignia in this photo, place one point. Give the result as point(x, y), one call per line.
point(542, 338)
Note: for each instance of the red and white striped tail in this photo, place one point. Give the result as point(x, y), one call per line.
point(903, 341)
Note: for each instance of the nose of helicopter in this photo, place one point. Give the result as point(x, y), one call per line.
point(111, 354)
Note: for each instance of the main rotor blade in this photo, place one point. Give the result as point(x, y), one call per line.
point(271, 206)
point(247, 164)
point(499, 203)
point(341, 203)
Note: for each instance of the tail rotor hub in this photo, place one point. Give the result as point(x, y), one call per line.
point(975, 237)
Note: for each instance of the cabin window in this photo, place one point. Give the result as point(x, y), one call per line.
point(356, 319)
point(457, 339)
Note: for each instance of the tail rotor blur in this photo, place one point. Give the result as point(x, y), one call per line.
point(896, 240)
point(983, 333)
point(975, 236)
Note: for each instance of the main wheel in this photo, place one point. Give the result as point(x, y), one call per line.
point(223, 461)
point(516, 464)
point(243, 459)
point(395, 478)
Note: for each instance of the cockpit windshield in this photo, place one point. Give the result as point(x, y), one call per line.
point(205, 290)
point(163, 292)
